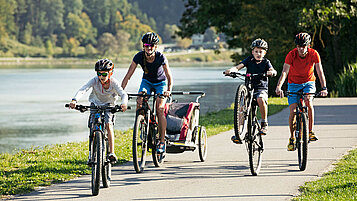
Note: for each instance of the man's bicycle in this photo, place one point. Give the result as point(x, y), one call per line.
point(301, 128)
point(145, 134)
point(98, 158)
point(246, 125)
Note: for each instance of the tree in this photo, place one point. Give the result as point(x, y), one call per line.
point(330, 20)
point(123, 40)
point(169, 33)
point(7, 23)
point(107, 44)
point(26, 35)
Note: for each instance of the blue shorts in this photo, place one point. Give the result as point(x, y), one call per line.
point(307, 87)
point(148, 86)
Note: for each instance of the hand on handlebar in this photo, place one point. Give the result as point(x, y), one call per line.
point(72, 104)
point(323, 93)
point(124, 107)
point(167, 93)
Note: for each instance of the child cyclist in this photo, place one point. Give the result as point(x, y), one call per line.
point(256, 63)
point(105, 91)
point(157, 75)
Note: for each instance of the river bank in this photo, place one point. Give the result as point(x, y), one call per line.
point(184, 58)
point(28, 169)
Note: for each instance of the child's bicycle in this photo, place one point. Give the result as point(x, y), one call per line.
point(301, 127)
point(246, 125)
point(183, 132)
point(98, 158)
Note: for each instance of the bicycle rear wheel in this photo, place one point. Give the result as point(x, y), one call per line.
point(97, 158)
point(107, 166)
point(139, 143)
point(240, 111)
point(255, 146)
point(302, 142)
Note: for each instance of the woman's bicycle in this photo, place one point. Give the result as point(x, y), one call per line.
point(145, 134)
point(98, 158)
point(246, 125)
point(301, 127)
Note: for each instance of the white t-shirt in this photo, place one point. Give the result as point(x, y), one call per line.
point(101, 96)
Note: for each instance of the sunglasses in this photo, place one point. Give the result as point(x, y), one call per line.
point(148, 45)
point(102, 74)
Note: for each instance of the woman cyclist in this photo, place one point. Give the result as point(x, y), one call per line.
point(157, 76)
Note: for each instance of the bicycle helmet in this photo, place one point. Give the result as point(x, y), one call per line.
point(260, 43)
point(104, 65)
point(150, 38)
point(302, 39)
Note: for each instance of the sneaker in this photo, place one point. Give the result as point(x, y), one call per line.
point(291, 145)
point(112, 158)
point(236, 140)
point(312, 137)
point(264, 128)
point(161, 148)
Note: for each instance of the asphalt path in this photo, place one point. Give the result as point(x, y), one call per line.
point(225, 174)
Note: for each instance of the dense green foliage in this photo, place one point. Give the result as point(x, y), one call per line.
point(332, 23)
point(339, 184)
point(346, 82)
point(70, 24)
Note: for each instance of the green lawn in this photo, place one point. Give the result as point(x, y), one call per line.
point(338, 184)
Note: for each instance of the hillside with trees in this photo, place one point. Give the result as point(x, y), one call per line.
point(69, 28)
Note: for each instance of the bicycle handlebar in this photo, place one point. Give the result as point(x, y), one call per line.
point(301, 93)
point(84, 108)
point(236, 74)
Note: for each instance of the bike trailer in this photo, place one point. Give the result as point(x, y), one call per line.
point(182, 118)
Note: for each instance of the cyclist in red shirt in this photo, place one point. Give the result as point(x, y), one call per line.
point(299, 68)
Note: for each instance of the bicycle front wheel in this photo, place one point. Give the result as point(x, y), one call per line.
point(107, 166)
point(255, 146)
point(139, 143)
point(240, 111)
point(302, 142)
point(157, 158)
point(97, 157)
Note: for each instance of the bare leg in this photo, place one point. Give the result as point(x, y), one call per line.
point(263, 108)
point(160, 106)
point(292, 119)
point(310, 106)
point(110, 131)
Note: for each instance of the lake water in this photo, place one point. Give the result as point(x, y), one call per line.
point(32, 102)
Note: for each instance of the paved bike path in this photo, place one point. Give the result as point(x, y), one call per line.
point(225, 175)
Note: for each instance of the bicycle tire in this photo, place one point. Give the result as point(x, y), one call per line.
point(254, 146)
point(139, 145)
point(202, 144)
point(157, 159)
point(107, 166)
point(240, 111)
point(303, 142)
point(97, 162)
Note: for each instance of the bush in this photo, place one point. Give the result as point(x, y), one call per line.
point(346, 82)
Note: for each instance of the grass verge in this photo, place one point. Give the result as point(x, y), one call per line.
point(338, 184)
point(24, 171)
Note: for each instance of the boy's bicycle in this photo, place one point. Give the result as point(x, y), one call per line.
point(98, 158)
point(145, 134)
point(301, 127)
point(246, 125)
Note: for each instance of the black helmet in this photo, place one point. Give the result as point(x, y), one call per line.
point(260, 43)
point(150, 38)
point(302, 39)
point(104, 65)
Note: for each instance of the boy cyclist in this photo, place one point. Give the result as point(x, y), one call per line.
point(157, 76)
point(256, 63)
point(299, 67)
point(105, 91)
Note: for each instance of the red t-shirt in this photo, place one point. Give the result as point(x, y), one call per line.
point(302, 69)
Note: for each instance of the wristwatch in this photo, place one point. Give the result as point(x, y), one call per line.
point(73, 99)
point(324, 88)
